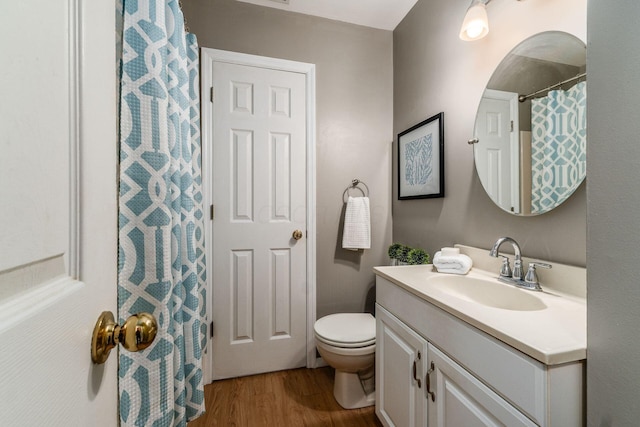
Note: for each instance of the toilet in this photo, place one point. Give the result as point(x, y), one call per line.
point(347, 342)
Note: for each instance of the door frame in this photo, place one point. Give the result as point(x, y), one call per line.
point(207, 57)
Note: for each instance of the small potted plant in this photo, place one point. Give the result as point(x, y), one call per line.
point(394, 251)
point(418, 256)
point(405, 255)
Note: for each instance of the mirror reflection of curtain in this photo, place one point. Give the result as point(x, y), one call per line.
point(558, 146)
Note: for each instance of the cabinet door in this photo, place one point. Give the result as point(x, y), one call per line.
point(400, 360)
point(460, 399)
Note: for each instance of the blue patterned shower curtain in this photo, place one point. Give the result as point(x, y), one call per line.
point(161, 249)
point(558, 146)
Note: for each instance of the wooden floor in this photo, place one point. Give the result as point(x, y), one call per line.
point(299, 397)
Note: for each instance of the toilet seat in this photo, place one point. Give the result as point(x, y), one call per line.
point(347, 330)
point(345, 351)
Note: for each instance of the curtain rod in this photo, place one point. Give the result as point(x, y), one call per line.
point(523, 98)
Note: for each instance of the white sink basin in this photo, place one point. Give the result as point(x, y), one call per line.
point(550, 326)
point(491, 293)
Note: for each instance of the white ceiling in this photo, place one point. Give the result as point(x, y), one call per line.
point(383, 14)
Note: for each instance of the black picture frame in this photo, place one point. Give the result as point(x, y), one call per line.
point(421, 160)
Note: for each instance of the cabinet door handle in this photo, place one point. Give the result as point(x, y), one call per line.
point(415, 368)
point(428, 380)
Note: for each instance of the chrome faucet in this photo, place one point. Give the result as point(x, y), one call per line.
point(530, 281)
point(517, 263)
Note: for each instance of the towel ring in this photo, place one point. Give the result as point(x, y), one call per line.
point(354, 186)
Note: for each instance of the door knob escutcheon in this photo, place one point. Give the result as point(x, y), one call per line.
point(137, 333)
point(297, 234)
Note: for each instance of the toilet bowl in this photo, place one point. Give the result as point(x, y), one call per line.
point(347, 342)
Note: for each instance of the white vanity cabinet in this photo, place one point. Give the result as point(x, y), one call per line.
point(457, 398)
point(464, 376)
point(400, 360)
point(418, 385)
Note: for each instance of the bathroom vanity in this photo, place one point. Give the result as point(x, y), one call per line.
point(457, 350)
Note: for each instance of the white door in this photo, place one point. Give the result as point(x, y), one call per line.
point(401, 356)
point(497, 152)
point(58, 211)
point(460, 399)
point(259, 173)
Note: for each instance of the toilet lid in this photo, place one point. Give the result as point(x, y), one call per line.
point(347, 329)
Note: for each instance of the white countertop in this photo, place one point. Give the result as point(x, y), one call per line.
point(554, 335)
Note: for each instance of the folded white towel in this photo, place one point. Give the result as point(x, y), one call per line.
point(455, 264)
point(450, 251)
point(357, 224)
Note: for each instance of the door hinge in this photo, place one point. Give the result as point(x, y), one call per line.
point(212, 212)
point(211, 94)
point(511, 125)
point(211, 329)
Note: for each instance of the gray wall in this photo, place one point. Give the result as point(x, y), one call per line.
point(354, 123)
point(435, 71)
point(613, 313)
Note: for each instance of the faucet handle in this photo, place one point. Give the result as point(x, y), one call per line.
point(532, 276)
point(505, 269)
point(540, 264)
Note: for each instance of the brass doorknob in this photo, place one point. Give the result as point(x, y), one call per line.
point(297, 235)
point(137, 333)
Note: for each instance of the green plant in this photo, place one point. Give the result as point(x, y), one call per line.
point(394, 250)
point(406, 254)
point(417, 256)
point(403, 254)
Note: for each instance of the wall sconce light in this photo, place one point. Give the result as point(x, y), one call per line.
point(476, 24)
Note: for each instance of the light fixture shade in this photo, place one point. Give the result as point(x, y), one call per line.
point(476, 24)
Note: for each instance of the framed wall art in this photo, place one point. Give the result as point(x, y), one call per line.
point(421, 160)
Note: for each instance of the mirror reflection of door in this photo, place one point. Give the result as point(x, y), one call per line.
point(498, 152)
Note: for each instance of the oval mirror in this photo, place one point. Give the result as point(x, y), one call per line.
point(530, 131)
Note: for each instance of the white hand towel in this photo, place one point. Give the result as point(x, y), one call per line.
point(456, 264)
point(357, 224)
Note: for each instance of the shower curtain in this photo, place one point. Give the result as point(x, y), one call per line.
point(558, 146)
point(161, 240)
